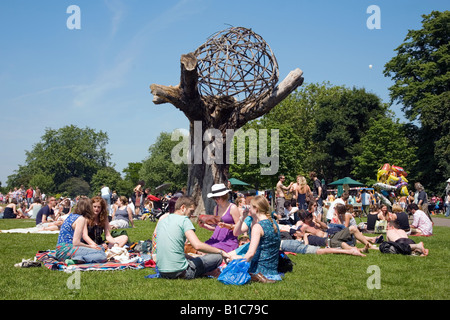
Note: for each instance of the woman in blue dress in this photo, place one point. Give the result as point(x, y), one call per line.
point(263, 251)
point(70, 248)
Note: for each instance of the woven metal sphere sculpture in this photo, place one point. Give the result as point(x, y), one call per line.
point(236, 63)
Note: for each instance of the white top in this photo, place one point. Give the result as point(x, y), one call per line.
point(330, 212)
point(105, 191)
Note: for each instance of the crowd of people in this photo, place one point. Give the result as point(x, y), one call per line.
point(311, 221)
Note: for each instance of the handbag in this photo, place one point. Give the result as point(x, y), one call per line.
point(235, 273)
point(380, 226)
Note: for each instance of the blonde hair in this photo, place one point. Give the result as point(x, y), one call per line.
point(263, 206)
point(397, 208)
point(302, 181)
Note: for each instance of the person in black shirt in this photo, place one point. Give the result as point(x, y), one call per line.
point(46, 211)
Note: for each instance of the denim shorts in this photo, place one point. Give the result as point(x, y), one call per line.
point(297, 247)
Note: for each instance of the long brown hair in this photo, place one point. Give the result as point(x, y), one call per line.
point(103, 215)
point(84, 208)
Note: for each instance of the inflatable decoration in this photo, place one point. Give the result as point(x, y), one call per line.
point(384, 200)
point(391, 182)
point(404, 191)
point(384, 186)
point(399, 171)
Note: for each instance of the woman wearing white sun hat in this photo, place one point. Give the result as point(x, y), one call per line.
point(222, 236)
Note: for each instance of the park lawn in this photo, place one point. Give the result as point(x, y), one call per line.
point(324, 277)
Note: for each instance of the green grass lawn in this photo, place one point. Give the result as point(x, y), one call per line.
point(330, 277)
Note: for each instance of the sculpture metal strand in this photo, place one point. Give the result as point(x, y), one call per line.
point(236, 63)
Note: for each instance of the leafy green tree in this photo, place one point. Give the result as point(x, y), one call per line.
point(75, 186)
point(43, 181)
point(342, 118)
point(421, 75)
point(65, 153)
point(159, 168)
point(384, 142)
point(132, 172)
point(107, 176)
point(321, 127)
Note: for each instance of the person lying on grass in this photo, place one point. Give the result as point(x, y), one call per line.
point(399, 236)
point(293, 243)
point(311, 227)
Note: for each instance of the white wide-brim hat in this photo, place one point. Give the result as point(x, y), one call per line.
point(448, 180)
point(218, 190)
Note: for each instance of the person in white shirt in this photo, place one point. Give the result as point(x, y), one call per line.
point(422, 225)
point(106, 194)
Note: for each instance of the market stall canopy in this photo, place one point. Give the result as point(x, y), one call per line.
point(237, 182)
point(346, 180)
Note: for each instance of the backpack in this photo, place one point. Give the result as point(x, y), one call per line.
point(285, 264)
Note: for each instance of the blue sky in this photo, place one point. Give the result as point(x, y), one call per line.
point(99, 76)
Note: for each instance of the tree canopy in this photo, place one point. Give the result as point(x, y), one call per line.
point(62, 154)
point(421, 75)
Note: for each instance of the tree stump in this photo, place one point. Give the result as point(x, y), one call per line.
point(222, 99)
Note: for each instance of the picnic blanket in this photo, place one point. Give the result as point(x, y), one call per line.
point(48, 258)
point(29, 230)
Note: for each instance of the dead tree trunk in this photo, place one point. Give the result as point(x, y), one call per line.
point(214, 112)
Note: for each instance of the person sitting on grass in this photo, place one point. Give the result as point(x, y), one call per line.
point(263, 251)
point(99, 224)
point(122, 215)
point(398, 214)
point(171, 236)
point(421, 225)
point(69, 247)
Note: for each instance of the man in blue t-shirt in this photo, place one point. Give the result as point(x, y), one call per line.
point(365, 201)
point(46, 211)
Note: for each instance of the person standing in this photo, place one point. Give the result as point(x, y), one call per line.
point(317, 193)
point(279, 195)
point(365, 202)
point(106, 194)
point(29, 195)
point(302, 192)
point(422, 198)
point(37, 193)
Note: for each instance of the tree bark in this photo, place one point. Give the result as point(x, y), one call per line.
point(220, 113)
